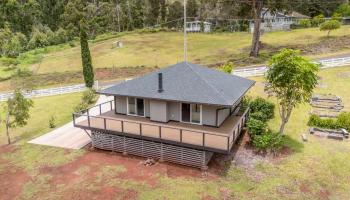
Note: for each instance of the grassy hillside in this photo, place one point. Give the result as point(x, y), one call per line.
point(165, 48)
point(142, 52)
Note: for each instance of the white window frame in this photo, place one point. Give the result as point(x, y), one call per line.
point(127, 107)
point(200, 114)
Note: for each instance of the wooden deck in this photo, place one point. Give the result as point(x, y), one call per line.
point(215, 139)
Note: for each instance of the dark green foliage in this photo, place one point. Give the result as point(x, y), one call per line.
point(342, 121)
point(317, 20)
point(268, 141)
point(86, 57)
point(316, 121)
point(262, 109)
point(256, 127)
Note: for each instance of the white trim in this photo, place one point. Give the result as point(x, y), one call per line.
point(127, 107)
point(200, 114)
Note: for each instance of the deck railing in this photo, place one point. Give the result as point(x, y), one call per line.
point(89, 119)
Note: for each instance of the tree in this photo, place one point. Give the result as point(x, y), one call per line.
point(17, 108)
point(192, 8)
point(330, 25)
point(291, 78)
point(85, 56)
point(344, 10)
point(257, 8)
point(163, 10)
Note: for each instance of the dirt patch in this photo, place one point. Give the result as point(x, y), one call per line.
point(324, 45)
point(12, 179)
point(106, 193)
point(323, 194)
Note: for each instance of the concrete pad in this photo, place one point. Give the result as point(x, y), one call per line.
point(68, 136)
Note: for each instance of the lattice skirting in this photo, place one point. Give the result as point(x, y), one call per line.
point(150, 149)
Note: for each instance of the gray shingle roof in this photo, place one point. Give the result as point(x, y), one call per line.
point(186, 82)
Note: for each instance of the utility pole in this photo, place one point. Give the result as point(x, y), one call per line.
point(185, 33)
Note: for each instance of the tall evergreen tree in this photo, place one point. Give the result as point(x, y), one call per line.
point(85, 56)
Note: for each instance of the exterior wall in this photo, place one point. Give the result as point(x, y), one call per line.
point(120, 105)
point(222, 115)
point(147, 108)
point(164, 111)
point(209, 115)
point(159, 111)
point(174, 111)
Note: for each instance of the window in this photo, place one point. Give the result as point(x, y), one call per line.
point(136, 106)
point(191, 113)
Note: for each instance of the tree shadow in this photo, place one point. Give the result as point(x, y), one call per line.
point(293, 144)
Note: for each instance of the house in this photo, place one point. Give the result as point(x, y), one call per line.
point(197, 26)
point(277, 21)
point(182, 114)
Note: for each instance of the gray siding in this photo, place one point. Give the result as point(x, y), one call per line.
point(174, 111)
point(120, 104)
point(222, 115)
point(147, 108)
point(158, 111)
point(209, 115)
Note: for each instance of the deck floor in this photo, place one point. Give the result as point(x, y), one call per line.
point(225, 129)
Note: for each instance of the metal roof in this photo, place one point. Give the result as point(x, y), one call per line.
point(186, 82)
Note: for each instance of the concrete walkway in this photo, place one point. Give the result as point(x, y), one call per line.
point(67, 136)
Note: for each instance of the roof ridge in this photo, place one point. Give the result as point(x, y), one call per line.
point(206, 82)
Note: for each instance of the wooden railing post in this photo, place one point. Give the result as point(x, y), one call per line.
point(73, 119)
point(105, 125)
point(122, 123)
point(111, 105)
point(228, 144)
point(203, 139)
point(140, 129)
point(87, 112)
point(180, 135)
point(100, 108)
point(88, 120)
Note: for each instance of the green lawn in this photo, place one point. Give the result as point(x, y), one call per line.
point(317, 169)
point(165, 48)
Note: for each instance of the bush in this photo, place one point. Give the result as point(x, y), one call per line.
point(268, 141)
point(262, 109)
point(329, 26)
point(227, 68)
point(343, 120)
point(38, 39)
point(52, 121)
point(316, 121)
point(317, 20)
point(305, 23)
point(256, 127)
point(89, 96)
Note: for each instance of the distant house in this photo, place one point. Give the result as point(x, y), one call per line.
point(277, 21)
point(198, 26)
point(182, 114)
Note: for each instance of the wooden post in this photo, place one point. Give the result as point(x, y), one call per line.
point(105, 125)
point(100, 109)
point(88, 120)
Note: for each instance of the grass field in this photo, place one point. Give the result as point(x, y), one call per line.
point(165, 48)
point(317, 169)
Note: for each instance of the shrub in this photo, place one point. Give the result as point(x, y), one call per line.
point(80, 107)
point(268, 141)
point(343, 120)
point(227, 68)
point(89, 96)
point(262, 109)
point(317, 20)
point(305, 23)
point(38, 39)
point(256, 127)
point(329, 26)
point(52, 121)
point(316, 121)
